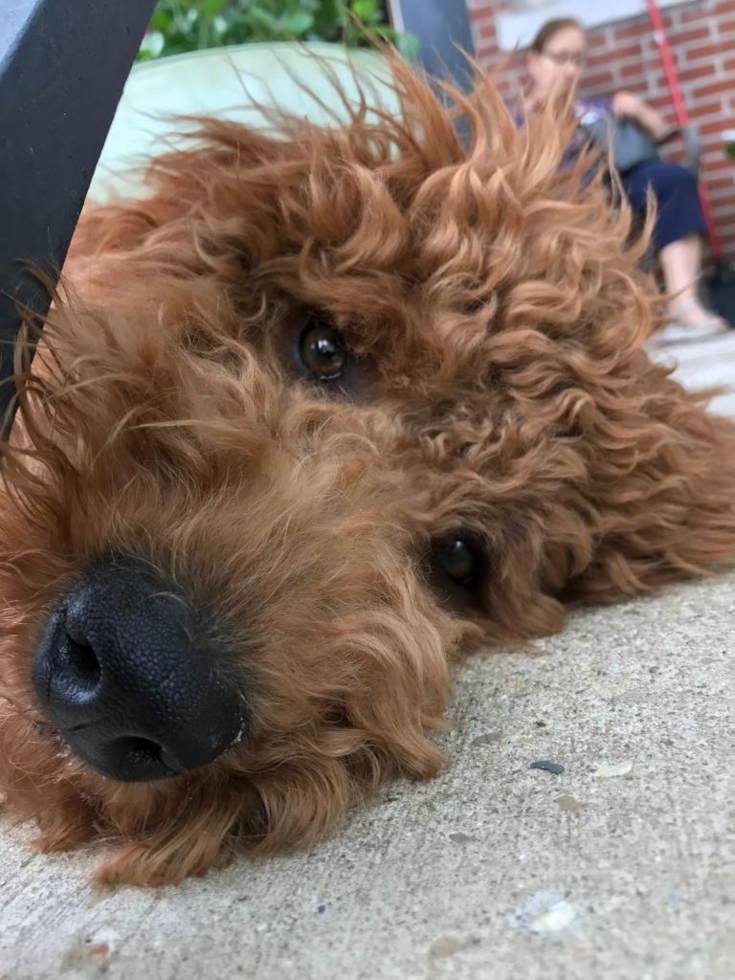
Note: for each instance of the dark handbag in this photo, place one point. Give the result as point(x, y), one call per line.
point(631, 145)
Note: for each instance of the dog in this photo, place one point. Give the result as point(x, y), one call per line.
point(323, 412)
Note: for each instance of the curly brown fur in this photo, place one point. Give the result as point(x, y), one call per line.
point(498, 392)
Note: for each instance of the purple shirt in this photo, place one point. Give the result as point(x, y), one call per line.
point(588, 111)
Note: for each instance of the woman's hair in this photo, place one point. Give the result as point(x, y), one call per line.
point(549, 29)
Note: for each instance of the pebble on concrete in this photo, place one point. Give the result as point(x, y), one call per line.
point(556, 767)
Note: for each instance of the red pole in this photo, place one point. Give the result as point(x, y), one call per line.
point(682, 116)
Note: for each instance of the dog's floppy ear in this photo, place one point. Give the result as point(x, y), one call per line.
point(664, 493)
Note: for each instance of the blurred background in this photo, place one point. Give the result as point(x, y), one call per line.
point(624, 53)
point(187, 25)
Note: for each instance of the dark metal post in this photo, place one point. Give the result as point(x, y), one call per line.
point(444, 31)
point(63, 65)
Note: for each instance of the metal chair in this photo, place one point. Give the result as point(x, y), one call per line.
point(63, 64)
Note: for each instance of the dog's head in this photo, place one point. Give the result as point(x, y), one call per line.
point(318, 414)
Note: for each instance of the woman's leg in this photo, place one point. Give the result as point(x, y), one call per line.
point(681, 262)
point(678, 235)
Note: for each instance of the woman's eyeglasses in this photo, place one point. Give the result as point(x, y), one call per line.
point(561, 58)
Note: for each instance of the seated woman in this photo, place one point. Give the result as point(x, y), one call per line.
point(555, 61)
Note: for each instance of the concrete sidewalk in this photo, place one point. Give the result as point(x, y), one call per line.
point(704, 364)
point(618, 868)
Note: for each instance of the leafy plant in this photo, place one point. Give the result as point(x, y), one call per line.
point(178, 26)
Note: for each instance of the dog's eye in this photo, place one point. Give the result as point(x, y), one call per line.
point(322, 350)
point(458, 560)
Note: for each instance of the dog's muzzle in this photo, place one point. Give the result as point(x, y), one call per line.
point(135, 684)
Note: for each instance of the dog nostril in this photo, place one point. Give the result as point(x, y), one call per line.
point(82, 664)
point(138, 752)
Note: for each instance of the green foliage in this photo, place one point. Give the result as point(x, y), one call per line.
point(187, 25)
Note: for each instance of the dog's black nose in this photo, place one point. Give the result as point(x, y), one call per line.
point(136, 682)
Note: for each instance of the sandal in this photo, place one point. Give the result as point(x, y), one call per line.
point(691, 322)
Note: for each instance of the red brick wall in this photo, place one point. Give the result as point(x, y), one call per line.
point(623, 55)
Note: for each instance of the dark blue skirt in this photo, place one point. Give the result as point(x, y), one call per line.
point(675, 189)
